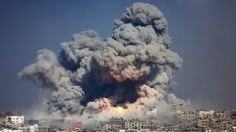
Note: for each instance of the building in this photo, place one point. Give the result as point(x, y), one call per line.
point(151, 112)
point(16, 120)
point(9, 130)
point(188, 115)
point(203, 122)
point(44, 129)
point(30, 128)
point(233, 114)
point(133, 124)
point(192, 128)
point(179, 108)
point(233, 118)
point(206, 114)
point(3, 119)
point(234, 129)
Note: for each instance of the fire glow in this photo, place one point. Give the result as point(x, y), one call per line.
point(126, 73)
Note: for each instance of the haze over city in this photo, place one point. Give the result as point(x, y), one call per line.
point(203, 34)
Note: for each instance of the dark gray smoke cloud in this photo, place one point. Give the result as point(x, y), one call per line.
point(126, 73)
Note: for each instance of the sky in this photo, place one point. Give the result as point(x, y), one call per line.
point(203, 34)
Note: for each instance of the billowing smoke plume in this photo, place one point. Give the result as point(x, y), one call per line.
point(125, 74)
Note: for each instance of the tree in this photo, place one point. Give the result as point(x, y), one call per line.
point(8, 113)
point(32, 122)
point(1, 115)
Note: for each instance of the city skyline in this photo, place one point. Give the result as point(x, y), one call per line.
point(203, 34)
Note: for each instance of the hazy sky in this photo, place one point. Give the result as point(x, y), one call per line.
point(203, 34)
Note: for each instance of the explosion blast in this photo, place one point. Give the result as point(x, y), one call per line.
point(123, 75)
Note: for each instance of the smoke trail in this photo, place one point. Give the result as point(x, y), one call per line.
point(126, 73)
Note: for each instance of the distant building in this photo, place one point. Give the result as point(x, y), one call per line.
point(206, 114)
point(234, 128)
point(192, 128)
point(203, 122)
point(32, 122)
point(44, 129)
point(152, 111)
point(30, 128)
point(179, 108)
point(3, 119)
point(133, 124)
point(16, 120)
point(188, 115)
point(9, 130)
point(233, 118)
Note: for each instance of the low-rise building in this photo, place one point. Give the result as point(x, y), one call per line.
point(30, 128)
point(10, 130)
point(179, 108)
point(133, 124)
point(203, 122)
point(16, 120)
point(206, 114)
point(44, 129)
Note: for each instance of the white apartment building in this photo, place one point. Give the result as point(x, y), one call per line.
point(17, 120)
point(30, 128)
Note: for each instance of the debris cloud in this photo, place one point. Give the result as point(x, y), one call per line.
point(95, 78)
